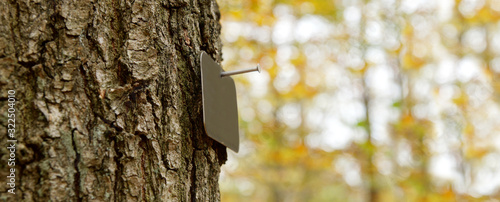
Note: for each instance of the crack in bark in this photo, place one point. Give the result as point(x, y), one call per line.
point(77, 170)
point(193, 177)
point(143, 145)
point(117, 157)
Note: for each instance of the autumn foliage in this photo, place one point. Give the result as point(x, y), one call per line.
point(364, 100)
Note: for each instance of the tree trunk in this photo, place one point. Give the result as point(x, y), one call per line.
point(108, 100)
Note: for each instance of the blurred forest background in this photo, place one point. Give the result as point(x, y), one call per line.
point(382, 100)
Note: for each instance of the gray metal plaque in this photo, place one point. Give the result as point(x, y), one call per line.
point(220, 110)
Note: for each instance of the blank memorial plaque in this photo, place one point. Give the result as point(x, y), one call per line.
point(220, 110)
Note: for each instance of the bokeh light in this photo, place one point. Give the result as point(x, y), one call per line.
point(381, 100)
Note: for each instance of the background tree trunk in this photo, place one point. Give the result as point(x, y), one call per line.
point(108, 99)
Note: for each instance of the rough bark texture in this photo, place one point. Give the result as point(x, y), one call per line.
point(108, 99)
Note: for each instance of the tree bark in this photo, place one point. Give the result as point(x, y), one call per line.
point(108, 100)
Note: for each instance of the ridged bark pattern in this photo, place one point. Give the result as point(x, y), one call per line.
point(108, 99)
